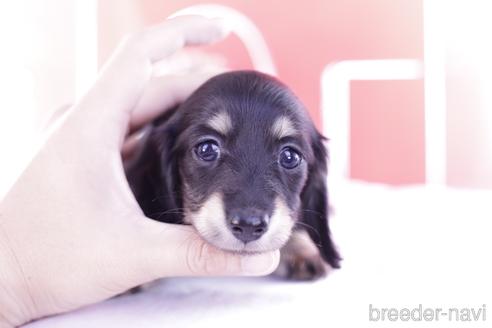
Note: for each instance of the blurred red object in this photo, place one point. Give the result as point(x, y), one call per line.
point(387, 116)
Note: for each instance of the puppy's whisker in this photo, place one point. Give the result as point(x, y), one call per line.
point(169, 196)
point(312, 211)
point(303, 224)
point(171, 211)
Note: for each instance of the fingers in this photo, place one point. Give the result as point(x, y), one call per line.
point(123, 79)
point(131, 66)
point(178, 32)
point(133, 143)
point(55, 115)
point(177, 250)
point(165, 92)
point(190, 61)
point(174, 80)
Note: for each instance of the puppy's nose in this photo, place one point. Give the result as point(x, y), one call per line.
point(248, 227)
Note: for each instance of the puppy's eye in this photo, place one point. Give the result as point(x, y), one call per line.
point(208, 150)
point(289, 158)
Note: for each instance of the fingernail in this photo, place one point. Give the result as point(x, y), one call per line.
point(225, 25)
point(262, 264)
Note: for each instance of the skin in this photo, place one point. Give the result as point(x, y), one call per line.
point(71, 232)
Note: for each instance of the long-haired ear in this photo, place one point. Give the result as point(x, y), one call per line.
point(153, 172)
point(315, 208)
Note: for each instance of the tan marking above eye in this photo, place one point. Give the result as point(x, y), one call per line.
point(283, 127)
point(221, 123)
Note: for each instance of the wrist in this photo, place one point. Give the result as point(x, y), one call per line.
point(14, 295)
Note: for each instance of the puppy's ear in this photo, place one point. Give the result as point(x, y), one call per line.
point(153, 172)
point(315, 209)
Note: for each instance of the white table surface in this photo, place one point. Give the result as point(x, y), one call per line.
point(401, 246)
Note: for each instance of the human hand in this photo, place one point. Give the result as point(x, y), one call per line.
point(71, 232)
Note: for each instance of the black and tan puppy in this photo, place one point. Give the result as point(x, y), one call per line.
point(241, 161)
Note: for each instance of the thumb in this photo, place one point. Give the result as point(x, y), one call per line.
point(169, 250)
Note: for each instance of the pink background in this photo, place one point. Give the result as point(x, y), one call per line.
point(387, 118)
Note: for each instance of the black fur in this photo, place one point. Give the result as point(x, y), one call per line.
point(315, 208)
point(154, 176)
point(247, 174)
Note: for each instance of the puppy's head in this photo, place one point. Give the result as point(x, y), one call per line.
point(242, 162)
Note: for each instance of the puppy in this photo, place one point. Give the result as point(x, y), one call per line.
point(241, 161)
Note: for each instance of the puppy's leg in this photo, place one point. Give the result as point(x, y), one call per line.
point(300, 259)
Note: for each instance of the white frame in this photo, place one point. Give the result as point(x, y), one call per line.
point(245, 29)
point(335, 102)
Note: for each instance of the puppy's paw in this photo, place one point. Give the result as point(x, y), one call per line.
point(300, 260)
point(302, 267)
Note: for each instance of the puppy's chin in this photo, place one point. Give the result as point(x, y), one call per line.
point(231, 244)
point(210, 223)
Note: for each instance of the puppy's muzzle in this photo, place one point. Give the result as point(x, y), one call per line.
point(248, 226)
